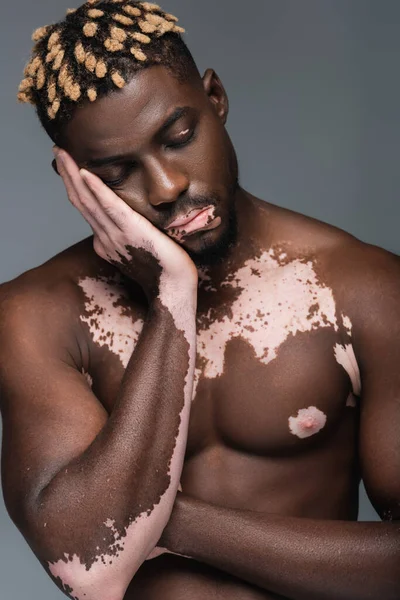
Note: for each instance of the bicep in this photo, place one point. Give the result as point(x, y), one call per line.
point(49, 412)
point(380, 442)
point(377, 345)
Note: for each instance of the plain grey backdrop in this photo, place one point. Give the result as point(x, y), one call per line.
point(314, 95)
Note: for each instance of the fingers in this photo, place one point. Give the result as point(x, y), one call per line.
point(80, 195)
point(112, 205)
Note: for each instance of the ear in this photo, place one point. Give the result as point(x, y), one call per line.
point(54, 165)
point(215, 91)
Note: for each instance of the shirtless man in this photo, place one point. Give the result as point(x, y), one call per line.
point(249, 358)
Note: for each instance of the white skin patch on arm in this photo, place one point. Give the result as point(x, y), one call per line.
point(308, 422)
point(76, 577)
point(111, 324)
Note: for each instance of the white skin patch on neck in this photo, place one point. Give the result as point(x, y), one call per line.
point(274, 301)
point(308, 422)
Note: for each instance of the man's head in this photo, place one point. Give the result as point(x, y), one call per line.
point(115, 85)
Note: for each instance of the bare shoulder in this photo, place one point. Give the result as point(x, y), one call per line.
point(47, 299)
point(362, 276)
point(55, 283)
point(60, 271)
point(339, 255)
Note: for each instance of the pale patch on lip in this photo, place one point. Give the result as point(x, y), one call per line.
point(308, 422)
point(200, 221)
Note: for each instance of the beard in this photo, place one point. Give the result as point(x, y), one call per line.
point(215, 252)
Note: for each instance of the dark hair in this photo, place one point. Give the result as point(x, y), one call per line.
point(95, 50)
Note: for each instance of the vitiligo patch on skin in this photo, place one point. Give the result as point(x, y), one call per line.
point(109, 317)
point(307, 422)
point(108, 321)
point(178, 233)
point(88, 378)
point(274, 298)
point(76, 578)
point(345, 356)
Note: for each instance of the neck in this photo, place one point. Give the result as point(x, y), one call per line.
point(252, 234)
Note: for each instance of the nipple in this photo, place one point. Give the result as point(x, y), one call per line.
point(308, 422)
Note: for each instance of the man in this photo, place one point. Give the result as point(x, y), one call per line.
point(201, 340)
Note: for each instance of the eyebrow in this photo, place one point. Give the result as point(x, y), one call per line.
point(179, 112)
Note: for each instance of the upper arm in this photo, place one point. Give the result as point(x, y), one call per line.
point(50, 414)
point(373, 304)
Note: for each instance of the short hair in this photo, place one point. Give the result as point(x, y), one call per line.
point(95, 50)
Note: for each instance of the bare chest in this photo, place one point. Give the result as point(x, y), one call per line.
point(275, 368)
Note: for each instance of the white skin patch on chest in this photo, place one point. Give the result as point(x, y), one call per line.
point(275, 301)
point(272, 301)
point(345, 356)
point(308, 422)
point(108, 321)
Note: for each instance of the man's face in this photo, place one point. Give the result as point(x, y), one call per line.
point(162, 146)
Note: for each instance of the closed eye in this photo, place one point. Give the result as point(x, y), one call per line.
point(114, 183)
point(185, 138)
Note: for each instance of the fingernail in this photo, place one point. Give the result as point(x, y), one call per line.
point(55, 150)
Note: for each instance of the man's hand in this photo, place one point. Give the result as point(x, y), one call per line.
point(122, 236)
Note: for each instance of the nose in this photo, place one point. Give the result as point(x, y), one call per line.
point(165, 182)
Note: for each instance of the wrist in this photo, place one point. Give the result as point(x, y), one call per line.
point(182, 295)
point(177, 531)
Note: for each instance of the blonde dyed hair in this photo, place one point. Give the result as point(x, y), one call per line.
point(79, 58)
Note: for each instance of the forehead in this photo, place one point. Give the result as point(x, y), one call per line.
point(131, 113)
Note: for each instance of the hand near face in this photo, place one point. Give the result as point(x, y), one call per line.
point(122, 236)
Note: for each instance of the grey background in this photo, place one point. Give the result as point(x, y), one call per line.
point(314, 92)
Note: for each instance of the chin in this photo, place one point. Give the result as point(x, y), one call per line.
point(213, 247)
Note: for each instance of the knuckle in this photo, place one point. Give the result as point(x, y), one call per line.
point(84, 198)
point(110, 211)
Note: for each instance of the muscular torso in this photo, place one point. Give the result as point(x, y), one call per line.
point(274, 416)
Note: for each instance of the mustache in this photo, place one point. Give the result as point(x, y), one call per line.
point(188, 204)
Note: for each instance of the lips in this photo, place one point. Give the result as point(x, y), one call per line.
point(185, 219)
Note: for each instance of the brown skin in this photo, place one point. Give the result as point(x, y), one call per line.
point(287, 528)
point(160, 179)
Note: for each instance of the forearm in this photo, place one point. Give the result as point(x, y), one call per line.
point(302, 559)
point(112, 502)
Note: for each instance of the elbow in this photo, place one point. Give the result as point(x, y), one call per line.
point(97, 583)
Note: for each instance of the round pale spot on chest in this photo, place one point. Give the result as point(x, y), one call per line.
point(308, 422)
